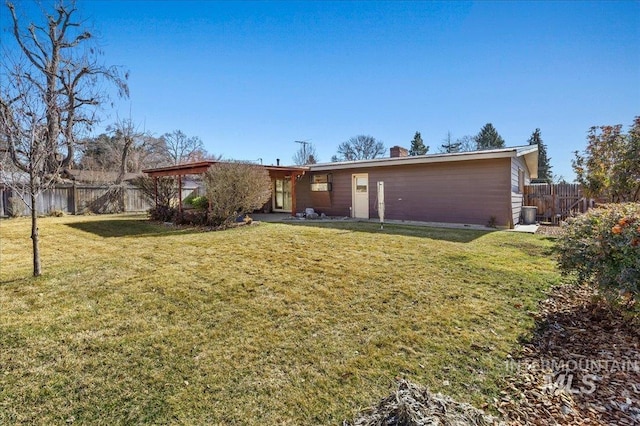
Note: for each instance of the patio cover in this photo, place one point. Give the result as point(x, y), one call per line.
point(200, 167)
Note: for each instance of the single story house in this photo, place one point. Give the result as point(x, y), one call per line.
point(468, 187)
point(478, 187)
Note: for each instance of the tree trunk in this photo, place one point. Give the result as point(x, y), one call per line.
point(128, 141)
point(35, 237)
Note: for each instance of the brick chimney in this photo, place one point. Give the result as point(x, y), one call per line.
point(398, 151)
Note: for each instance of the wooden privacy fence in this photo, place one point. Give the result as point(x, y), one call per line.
point(75, 199)
point(82, 198)
point(556, 202)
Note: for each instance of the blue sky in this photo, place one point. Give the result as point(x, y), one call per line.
point(250, 78)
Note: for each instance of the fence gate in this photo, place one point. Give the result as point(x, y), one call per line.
point(556, 202)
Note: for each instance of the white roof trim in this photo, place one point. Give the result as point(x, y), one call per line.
point(516, 151)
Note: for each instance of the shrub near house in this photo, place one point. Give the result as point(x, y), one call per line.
point(602, 246)
point(235, 188)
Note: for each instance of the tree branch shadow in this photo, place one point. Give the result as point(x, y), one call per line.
point(114, 228)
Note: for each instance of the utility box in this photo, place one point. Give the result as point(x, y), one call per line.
point(529, 215)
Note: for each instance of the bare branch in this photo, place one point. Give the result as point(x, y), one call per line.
point(18, 37)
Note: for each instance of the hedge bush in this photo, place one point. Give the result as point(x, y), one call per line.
point(234, 189)
point(200, 202)
point(163, 213)
point(602, 247)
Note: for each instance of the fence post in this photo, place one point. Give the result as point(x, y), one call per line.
point(74, 195)
point(553, 205)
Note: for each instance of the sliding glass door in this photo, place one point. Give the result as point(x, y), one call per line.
point(282, 194)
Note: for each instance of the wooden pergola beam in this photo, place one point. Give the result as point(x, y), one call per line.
point(181, 169)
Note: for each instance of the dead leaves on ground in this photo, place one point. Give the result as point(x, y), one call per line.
point(581, 368)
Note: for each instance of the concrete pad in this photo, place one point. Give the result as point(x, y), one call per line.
point(269, 217)
point(529, 229)
point(434, 224)
point(279, 217)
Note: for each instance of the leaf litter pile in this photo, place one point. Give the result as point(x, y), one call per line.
point(414, 405)
point(582, 367)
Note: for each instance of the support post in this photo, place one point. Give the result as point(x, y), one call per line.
point(155, 189)
point(293, 194)
point(180, 193)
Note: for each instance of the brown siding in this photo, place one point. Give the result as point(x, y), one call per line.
point(336, 202)
point(458, 192)
point(517, 164)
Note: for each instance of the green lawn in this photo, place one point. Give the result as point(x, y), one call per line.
point(134, 322)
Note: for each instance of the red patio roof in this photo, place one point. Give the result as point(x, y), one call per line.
point(202, 166)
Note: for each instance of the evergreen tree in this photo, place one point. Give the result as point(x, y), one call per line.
point(449, 146)
point(488, 138)
point(544, 166)
point(417, 146)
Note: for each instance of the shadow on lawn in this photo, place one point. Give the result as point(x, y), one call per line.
point(129, 228)
point(453, 235)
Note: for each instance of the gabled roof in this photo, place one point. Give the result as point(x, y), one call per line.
point(529, 152)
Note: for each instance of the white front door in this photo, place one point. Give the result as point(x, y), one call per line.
point(360, 197)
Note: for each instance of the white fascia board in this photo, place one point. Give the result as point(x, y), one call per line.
point(526, 149)
point(419, 159)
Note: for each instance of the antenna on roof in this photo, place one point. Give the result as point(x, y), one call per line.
point(304, 144)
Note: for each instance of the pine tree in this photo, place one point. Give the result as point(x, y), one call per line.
point(544, 166)
point(417, 146)
point(449, 146)
point(488, 138)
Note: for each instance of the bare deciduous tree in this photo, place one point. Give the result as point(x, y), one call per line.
point(306, 154)
point(127, 138)
point(65, 72)
point(47, 94)
point(25, 170)
point(183, 149)
point(103, 153)
point(163, 191)
point(361, 147)
point(467, 143)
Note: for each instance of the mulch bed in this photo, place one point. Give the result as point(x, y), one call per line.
point(550, 230)
point(581, 368)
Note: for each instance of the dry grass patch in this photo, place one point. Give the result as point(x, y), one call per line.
point(134, 322)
